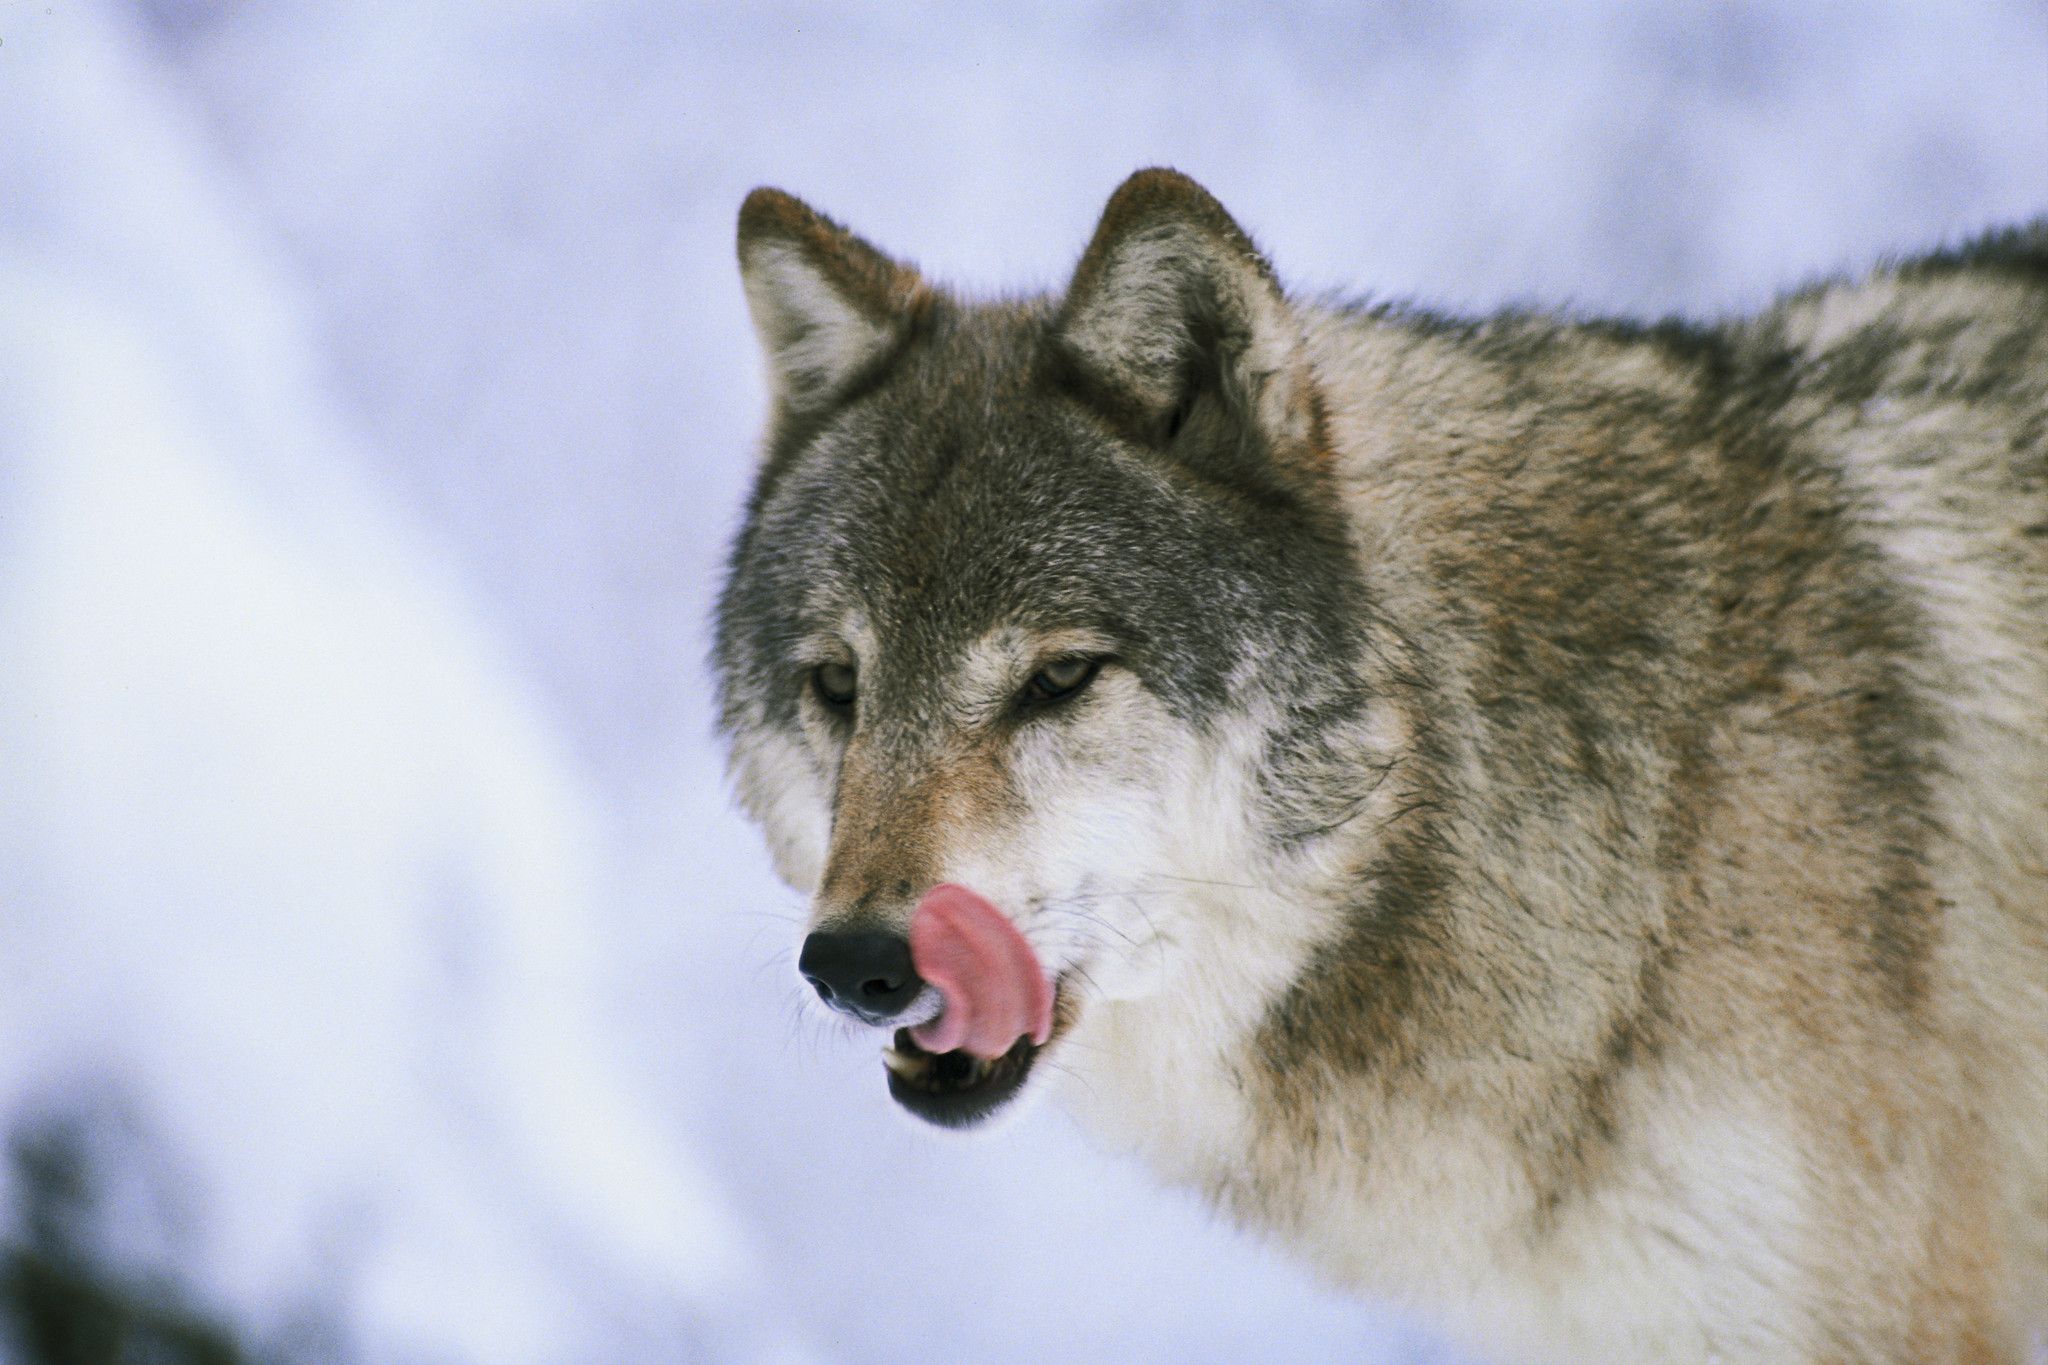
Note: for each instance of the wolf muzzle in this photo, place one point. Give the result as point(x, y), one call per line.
point(969, 1000)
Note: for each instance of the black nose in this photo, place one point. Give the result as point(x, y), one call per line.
point(869, 974)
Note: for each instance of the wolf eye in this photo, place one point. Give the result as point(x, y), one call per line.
point(834, 684)
point(1060, 679)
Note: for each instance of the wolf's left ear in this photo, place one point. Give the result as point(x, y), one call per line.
point(826, 305)
point(1175, 317)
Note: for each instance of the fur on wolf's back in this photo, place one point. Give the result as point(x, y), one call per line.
point(1630, 930)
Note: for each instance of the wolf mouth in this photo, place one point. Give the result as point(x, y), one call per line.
point(955, 1089)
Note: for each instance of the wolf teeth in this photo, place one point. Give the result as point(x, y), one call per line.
point(945, 1071)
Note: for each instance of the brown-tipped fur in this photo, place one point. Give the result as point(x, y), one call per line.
point(1150, 195)
point(830, 309)
point(1556, 827)
point(1175, 326)
point(882, 288)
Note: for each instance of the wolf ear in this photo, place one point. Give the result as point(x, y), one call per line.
point(826, 305)
point(1172, 308)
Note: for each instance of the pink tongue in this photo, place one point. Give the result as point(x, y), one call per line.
point(994, 989)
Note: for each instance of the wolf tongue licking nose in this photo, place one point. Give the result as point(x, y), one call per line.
point(994, 989)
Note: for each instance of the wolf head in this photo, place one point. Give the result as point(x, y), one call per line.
point(1041, 634)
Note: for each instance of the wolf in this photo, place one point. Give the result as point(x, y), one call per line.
point(1547, 818)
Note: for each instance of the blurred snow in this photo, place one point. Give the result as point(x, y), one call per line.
point(299, 935)
point(348, 908)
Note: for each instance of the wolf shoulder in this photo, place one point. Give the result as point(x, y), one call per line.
point(1960, 329)
point(1919, 388)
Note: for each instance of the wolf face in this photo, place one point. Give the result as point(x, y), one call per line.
point(1045, 605)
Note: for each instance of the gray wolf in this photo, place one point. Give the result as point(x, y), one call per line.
point(1547, 818)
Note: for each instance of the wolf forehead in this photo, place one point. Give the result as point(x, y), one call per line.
point(964, 488)
point(960, 471)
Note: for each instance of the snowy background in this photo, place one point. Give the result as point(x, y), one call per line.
point(382, 976)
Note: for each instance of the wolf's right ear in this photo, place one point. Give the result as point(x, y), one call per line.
point(826, 305)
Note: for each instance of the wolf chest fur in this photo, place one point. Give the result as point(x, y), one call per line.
point(1548, 819)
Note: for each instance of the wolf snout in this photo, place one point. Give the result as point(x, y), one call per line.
point(868, 974)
